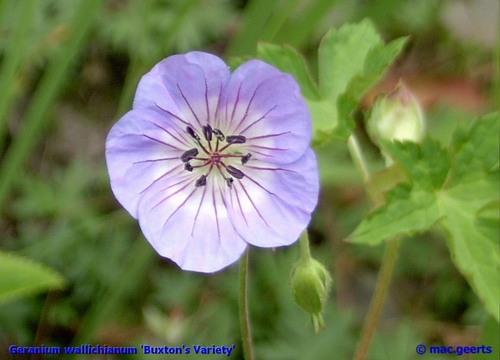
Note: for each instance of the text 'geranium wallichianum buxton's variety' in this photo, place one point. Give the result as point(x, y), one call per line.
point(209, 161)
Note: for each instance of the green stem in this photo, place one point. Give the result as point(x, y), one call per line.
point(357, 157)
point(305, 253)
point(388, 261)
point(246, 333)
point(377, 303)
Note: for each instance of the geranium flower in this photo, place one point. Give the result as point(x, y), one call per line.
point(209, 161)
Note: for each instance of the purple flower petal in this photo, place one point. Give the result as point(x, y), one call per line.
point(272, 204)
point(187, 86)
point(264, 104)
point(190, 225)
point(142, 147)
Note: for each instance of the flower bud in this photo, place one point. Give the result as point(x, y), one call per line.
point(396, 116)
point(311, 285)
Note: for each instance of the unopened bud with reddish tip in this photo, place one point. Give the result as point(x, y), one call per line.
point(396, 116)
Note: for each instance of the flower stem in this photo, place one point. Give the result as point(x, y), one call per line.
point(246, 333)
point(377, 302)
point(305, 253)
point(357, 157)
point(388, 261)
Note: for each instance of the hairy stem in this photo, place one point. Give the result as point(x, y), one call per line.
point(377, 303)
point(305, 253)
point(246, 333)
point(388, 261)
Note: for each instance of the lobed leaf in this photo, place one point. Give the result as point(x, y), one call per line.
point(375, 64)
point(473, 252)
point(408, 210)
point(342, 54)
point(458, 188)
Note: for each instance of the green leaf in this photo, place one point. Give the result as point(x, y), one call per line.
point(476, 148)
point(350, 60)
point(376, 63)
point(474, 254)
point(426, 164)
point(326, 124)
point(342, 54)
point(456, 187)
point(23, 277)
point(408, 210)
point(288, 60)
point(487, 220)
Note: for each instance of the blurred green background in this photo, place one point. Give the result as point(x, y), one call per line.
point(68, 71)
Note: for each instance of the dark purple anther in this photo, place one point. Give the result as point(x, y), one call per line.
point(191, 133)
point(234, 172)
point(188, 167)
point(244, 159)
point(202, 181)
point(218, 134)
point(229, 182)
point(236, 139)
point(207, 132)
point(189, 154)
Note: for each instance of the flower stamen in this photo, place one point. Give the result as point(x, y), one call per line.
point(191, 133)
point(215, 156)
point(236, 139)
point(202, 181)
point(218, 134)
point(238, 174)
point(245, 158)
point(189, 155)
point(207, 132)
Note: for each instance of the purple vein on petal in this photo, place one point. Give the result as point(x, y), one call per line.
point(258, 120)
point(217, 106)
point(246, 111)
point(262, 154)
point(236, 102)
point(161, 142)
point(186, 178)
point(224, 202)
point(206, 100)
point(270, 169)
point(169, 196)
point(239, 203)
point(199, 208)
point(255, 207)
point(188, 104)
point(155, 160)
point(158, 179)
point(173, 115)
point(269, 192)
point(266, 148)
point(182, 141)
point(181, 205)
point(267, 136)
point(216, 213)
